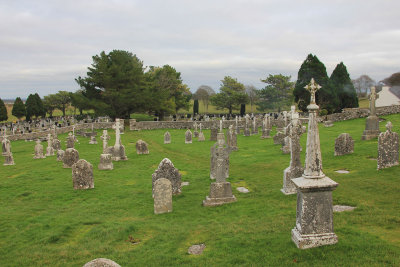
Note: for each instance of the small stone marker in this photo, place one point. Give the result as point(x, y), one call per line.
point(70, 140)
point(344, 144)
point(184, 183)
point(242, 190)
point(162, 196)
point(105, 162)
point(82, 175)
point(60, 155)
point(141, 147)
point(93, 140)
point(71, 156)
point(201, 137)
point(388, 148)
point(196, 249)
point(167, 170)
point(339, 208)
point(188, 137)
point(342, 171)
point(38, 150)
point(167, 138)
point(101, 262)
point(328, 123)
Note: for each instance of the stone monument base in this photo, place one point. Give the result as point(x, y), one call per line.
point(220, 193)
point(288, 186)
point(370, 134)
point(371, 128)
point(313, 240)
point(246, 132)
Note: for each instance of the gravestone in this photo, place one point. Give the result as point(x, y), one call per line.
point(82, 175)
point(93, 140)
point(388, 148)
point(246, 131)
point(105, 162)
point(105, 137)
point(286, 145)
point(49, 149)
point(188, 137)
point(8, 156)
point(60, 155)
point(314, 215)
point(255, 127)
point(344, 144)
point(167, 170)
point(38, 150)
point(219, 152)
point(214, 132)
point(71, 156)
point(231, 139)
point(56, 144)
point(70, 140)
point(328, 123)
point(118, 150)
point(279, 138)
point(220, 190)
point(141, 147)
point(195, 133)
point(167, 138)
point(295, 169)
point(101, 262)
point(162, 196)
point(266, 127)
point(201, 135)
point(372, 122)
point(4, 144)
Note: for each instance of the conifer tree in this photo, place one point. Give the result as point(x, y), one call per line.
point(344, 87)
point(3, 111)
point(18, 109)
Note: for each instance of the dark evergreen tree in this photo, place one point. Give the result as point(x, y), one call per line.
point(326, 97)
point(242, 109)
point(344, 87)
point(18, 109)
point(195, 107)
point(3, 111)
point(30, 106)
point(40, 110)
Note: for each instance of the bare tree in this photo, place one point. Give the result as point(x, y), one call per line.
point(251, 91)
point(363, 84)
point(393, 80)
point(203, 93)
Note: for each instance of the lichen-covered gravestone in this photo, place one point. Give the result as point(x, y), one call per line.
point(201, 134)
point(82, 175)
point(167, 138)
point(49, 149)
point(141, 147)
point(344, 144)
point(70, 140)
point(220, 190)
point(372, 121)
point(105, 162)
point(286, 145)
point(93, 140)
point(60, 155)
point(167, 170)
point(71, 156)
point(8, 156)
point(214, 132)
point(388, 148)
point(232, 139)
point(162, 196)
point(219, 152)
point(38, 150)
point(188, 137)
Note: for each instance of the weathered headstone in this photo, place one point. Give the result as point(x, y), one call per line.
point(101, 262)
point(49, 149)
point(60, 155)
point(214, 132)
point(188, 137)
point(219, 152)
point(71, 156)
point(8, 156)
point(38, 150)
point(105, 162)
point(195, 133)
point(167, 170)
point(279, 138)
point(266, 127)
point(328, 123)
point(220, 190)
point(372, 122)
point(314, 216)
point(344, 144)
point(201, 135)
point(141, 147)
point(70, 140)
point(295, 169)
point(4, 144)
point(162, 192)
point(286, 145)
point(118, 150)
point(255, 127)
point(93, 140)
point(167, 138)
point(231, 139)
point(82, 175)
point(388, 148)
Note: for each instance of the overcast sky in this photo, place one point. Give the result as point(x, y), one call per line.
point(45, 45)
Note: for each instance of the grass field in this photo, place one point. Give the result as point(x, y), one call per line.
point(44, 222)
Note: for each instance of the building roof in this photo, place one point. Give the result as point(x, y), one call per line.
point(395, 90)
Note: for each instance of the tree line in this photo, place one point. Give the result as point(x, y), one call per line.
point(117, 84)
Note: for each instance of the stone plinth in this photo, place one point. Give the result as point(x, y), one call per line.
point(220, 193)
point(288, 186)
point(371, 128)
point(314, 220)
point(105, 162)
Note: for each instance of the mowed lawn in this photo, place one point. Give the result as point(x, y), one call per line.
point(44, 222)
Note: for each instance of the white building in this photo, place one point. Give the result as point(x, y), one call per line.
point(388, 96)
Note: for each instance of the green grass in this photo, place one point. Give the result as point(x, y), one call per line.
point(44, 222)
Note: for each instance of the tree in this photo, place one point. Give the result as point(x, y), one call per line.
point(62, 100)
point(242, 109)
point(79, 101)
point(34, 107)
point(165, 91)
point(3, 111)
point(49, 103)
point(393, 80)
point(114, 84)
point(345, 90)
point(363, 84)
point(18, 109)
point(203, 93)
point(195, 107)
point(251, 92)
point(326, 97)
point(232, 94)
point(277, 94)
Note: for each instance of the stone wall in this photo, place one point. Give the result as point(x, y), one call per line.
point(83, 126)
point(355, 113)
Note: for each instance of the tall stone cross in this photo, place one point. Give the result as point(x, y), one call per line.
point(372, 98)
point(220, 126)
point(312, 87)
point(117, 133)
point(73, 130)
point(200, 126)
